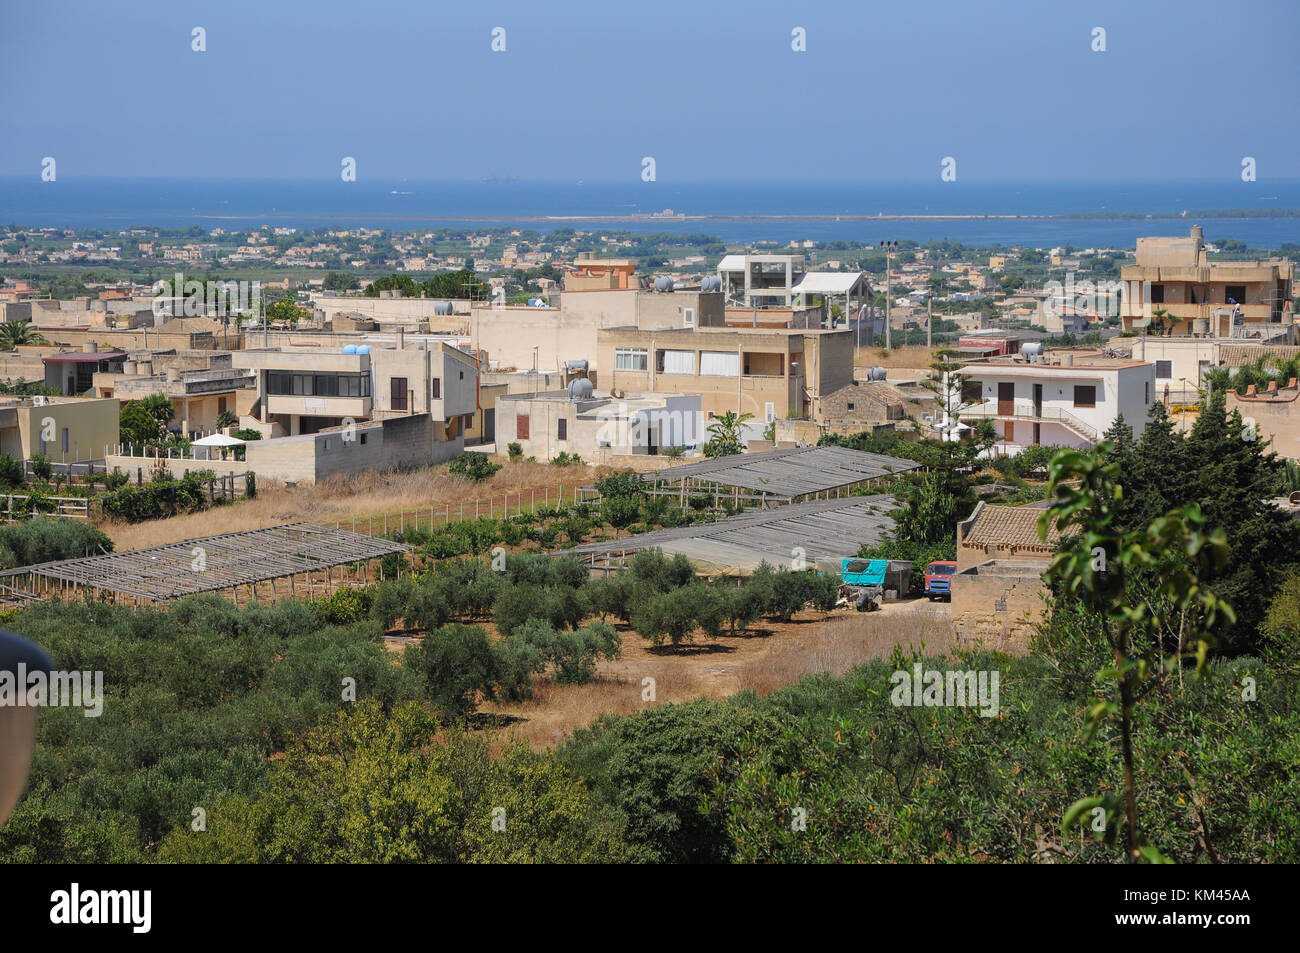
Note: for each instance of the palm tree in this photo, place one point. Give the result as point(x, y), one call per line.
point(726, 430)
point(19, 332)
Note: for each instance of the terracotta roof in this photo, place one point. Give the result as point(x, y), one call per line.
point(1013, 526)
point(1235, 355)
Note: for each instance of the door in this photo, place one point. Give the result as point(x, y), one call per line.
point(1038, 401)
point(1006, 399)
point(490, 425)
point(397, 392)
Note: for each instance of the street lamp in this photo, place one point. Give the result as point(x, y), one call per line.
point(890, 248)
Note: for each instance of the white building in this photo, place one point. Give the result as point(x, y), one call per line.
point(1063, 402)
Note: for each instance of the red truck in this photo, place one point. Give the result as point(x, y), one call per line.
point(938, 579)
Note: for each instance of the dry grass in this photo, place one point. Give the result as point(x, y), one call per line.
point(769, 657)
point(359, 497)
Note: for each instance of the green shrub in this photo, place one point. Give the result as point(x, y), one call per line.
point(514, 451)
point(474, 466)
point(11, 472)
point(41, 467)
point(47, 539)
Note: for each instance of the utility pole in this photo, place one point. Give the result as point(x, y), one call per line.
point(929, 322)
point(889, 298)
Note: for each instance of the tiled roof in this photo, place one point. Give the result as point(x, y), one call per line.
point(1235, 355)
point(1015, 526)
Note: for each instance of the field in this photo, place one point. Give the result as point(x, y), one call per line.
point(362, 497)
point(769, 656)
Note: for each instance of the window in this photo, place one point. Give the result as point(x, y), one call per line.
point(363, 438)
point(437, 388)
point(317, 385)
point(1157, 294)
point(850, 405)
point(221, 405)
point(521, 426)
point(1085, 395)
point(719, 364)
point(562, 429)
point(327, 444)
point(631, 359)
point(397, 392)
point(65, 439)
point(676, 362)
point(1146, 392)
point(1235, 293)
point(1164, 370)
point(688, 317)
point(769, 412)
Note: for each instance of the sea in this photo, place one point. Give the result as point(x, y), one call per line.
point(1262, 214)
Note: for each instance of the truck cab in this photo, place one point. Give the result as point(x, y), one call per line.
point(938, 579)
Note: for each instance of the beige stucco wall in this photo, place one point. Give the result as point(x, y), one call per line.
point(91, 424)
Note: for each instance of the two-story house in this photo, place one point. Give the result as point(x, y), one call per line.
point(1063, 401)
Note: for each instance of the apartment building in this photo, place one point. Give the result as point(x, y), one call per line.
point(1067, 403)
point(1241, 299)
point(767, 372)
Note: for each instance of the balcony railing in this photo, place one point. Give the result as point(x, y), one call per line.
point(1023, 410)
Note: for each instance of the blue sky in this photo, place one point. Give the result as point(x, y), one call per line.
point(712, 90)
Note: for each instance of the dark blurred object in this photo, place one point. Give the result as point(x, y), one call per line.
point(17, 723)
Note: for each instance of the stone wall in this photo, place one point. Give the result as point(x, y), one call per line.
point(998, 605)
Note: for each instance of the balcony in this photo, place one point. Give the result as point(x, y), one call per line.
point(1024, 410)
point(357, 408)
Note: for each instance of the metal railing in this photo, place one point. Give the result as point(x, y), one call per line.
point(1022, 411)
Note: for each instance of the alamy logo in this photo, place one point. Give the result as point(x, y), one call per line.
point(41, 689)
point(132, 907)
point(949, 689)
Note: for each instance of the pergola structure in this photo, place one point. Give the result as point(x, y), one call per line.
point(303, 555)
point(773, 477)
point(736, 545)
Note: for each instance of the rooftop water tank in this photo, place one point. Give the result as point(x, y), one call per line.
point(363, 349)
point(349, 349)
point(876, 374)
point(664, 283)
point(1031, 350)
point(536, 303)
point(442, 307)
point(580, 388)
point(576, 366)
point(711, 283)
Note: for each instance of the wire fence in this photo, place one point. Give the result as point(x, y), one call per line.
point(497, 506)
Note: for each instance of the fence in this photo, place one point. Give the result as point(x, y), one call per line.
point(17, 506)
point(494, 507)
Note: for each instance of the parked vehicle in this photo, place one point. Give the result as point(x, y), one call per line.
point(938, 579)
point(864, 581)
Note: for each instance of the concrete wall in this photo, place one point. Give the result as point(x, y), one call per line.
point(980, 618)
point(394, 443)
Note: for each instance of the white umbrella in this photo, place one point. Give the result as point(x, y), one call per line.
point(218, 440)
